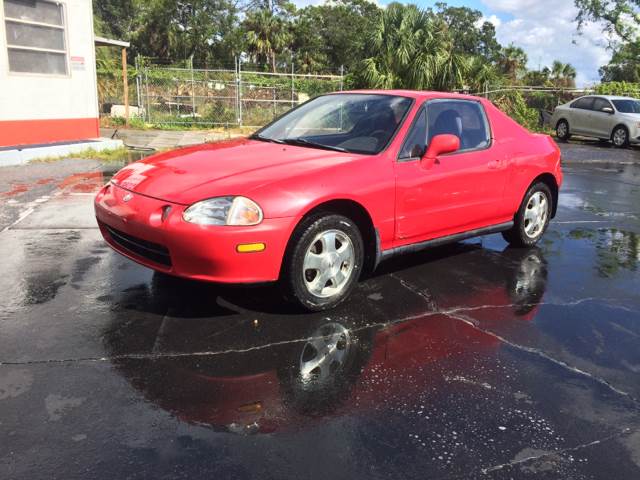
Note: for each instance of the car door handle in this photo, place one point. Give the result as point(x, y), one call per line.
point(494, 164)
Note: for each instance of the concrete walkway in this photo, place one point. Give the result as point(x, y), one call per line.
point(21, 155)
point(163, 139)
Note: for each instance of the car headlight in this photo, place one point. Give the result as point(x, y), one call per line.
point(234, 211)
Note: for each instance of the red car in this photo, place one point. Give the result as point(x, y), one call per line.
point(331, 188)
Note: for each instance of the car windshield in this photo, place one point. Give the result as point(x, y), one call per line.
point(627, 106)
point(354, 123)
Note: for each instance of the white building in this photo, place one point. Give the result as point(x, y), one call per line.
point(48, 89)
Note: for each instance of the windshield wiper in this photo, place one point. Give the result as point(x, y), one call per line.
point(308, 143)
point(266, 139)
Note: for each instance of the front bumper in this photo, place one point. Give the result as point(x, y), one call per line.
point(153, 233)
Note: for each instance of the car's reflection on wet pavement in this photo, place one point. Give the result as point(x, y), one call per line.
point(264, 373)
point(468, 361)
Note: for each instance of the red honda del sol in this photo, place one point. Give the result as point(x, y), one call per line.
point(332, 188)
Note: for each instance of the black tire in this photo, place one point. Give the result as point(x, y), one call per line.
point(620, 137)
point(518, 236)
point(562, 131)
point(294, 278)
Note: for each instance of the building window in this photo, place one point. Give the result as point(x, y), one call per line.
point(36, 40)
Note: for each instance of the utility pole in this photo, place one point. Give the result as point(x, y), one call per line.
point(240, 89)
point(193, 91)
point(292, 82)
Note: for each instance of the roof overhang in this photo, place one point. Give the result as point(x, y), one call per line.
point(108, 42)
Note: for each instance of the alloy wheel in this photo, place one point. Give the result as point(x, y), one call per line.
point(328, 263)
point(620, 137)
point(536, 214)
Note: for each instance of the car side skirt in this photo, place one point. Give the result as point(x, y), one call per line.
point(436, 242)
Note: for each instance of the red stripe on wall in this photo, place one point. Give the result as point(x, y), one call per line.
point(28, 132)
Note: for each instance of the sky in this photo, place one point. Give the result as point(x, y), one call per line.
point(545, 29)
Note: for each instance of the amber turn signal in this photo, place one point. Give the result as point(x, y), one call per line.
point(250, 247)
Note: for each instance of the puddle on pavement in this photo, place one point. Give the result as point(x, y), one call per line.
point(576, 201)
point(92, 181)
point(269, 372)
point(412, 360)
point(616, 250)
point(110, 169)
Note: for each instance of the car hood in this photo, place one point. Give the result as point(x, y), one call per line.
point(227, 168)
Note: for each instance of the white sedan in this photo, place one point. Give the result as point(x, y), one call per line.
point(602, 116)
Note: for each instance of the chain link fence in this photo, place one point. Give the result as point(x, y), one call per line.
point(185, 96)
point(178, 95)
point(529, 105)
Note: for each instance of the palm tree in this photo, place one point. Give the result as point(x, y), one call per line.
point(412, 50)
point(267, 35)
point(513, 62)
point(482, 74)
point(563, 74)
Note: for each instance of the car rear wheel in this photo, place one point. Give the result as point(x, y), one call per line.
point(324, 262)
point(620, 137)
point(562, 130)
point(532, 218)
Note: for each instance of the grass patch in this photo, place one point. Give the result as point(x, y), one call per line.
point(116, 155)
point(139, 124)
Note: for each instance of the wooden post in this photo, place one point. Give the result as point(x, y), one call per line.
point(125, 84)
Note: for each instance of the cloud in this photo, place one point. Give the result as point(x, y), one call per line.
point(546, 30)
point(494, 19)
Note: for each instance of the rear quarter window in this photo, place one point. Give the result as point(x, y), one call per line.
point(463, 118)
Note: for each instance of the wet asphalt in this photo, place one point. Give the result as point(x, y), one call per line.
point(469, 361)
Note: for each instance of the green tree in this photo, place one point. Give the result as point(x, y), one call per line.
point(621, 17)
point(563, 74)
point(482, 75)
point(411, 49)
point(624, 65)
point(537, 78)
point(308, 44)
point(114, 18)
point(512, 62)
point(490, 48)
point(470, 35)
point(267, 34)
point(337, 31)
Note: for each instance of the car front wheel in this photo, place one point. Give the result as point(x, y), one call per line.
point(324, 262)
point(620, 137)
point(532, 218)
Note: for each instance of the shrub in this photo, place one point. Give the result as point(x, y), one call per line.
point(512, 103)
point(626, 89)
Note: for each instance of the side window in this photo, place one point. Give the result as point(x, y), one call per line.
point(415, 144)
point(462, 118)
point(600, 103)
point(584, 103)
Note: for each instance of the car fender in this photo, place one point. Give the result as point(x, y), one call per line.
point(624, 123)
point(526, 168)
point(374, 192)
